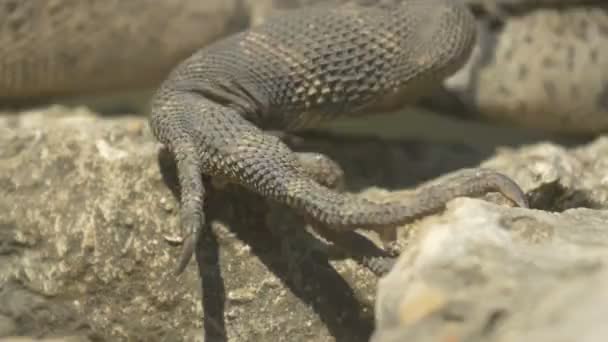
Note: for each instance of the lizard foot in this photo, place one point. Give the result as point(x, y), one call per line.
point(319, 167)
point(192, 195)
point(327, 172)
point(470, 183)
point(429, 199)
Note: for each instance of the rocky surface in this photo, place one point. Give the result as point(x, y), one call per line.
point(482, 272)
point(85, 209)
point(86, 203)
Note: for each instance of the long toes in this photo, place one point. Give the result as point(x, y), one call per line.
point(479, 181)
point(192, 225)
point(508, 188)
point(191, 211)
point(186, 255)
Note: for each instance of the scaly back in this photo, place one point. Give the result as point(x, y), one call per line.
point(303, 66)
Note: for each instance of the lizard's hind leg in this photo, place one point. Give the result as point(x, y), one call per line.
point(215, 140)
point(192, 198)
point(175, 126)
point(327, 172)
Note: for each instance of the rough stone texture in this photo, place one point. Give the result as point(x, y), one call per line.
point(483, 272)
point(84, 211)
point(85, 203)
point(492, 273)
point(85, 206)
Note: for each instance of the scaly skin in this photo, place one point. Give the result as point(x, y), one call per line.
point(292, 72)
point(545, 65)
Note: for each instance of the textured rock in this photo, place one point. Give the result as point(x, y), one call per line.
point(85, 207)
point(84, 212)
point(487, 272)
point(86, 203)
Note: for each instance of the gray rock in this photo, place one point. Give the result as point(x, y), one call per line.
point(7, 326)
point(84, 209)
point(491, 273)
point(86, 203)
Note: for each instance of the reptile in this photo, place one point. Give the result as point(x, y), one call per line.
point(217, 110)
point(537, 63)
point(49, 39)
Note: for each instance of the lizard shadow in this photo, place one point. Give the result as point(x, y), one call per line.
point(390, 164)
point(299, 264)
point(207, 259)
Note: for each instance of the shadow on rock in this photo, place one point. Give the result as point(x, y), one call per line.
point(286, 249)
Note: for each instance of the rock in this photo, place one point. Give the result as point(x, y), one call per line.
point(85, 206)
point(7, 326)
point(487, 272)
point(87, 201)
point(59, 339)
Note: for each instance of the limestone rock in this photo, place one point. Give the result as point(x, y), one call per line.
point(486, 272)
point(86, 203)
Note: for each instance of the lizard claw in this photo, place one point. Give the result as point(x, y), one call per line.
point(478, 181)
point(190, 240)
point(509, 189)
point(188, 244)
point(192, 217)
point(187, 250)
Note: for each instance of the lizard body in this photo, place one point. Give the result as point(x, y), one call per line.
point(292, 72)
point(541, 64)
point(71, 47)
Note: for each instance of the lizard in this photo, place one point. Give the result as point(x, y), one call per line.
point(216, 110)
point(537, 63)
